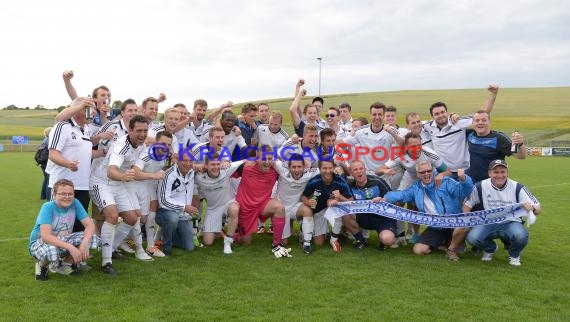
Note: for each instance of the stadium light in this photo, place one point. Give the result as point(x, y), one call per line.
point(320, 59)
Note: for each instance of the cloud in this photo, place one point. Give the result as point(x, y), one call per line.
point(247, 50)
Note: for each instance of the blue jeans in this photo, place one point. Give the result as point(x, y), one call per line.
point(482, 237)
point(175, 232)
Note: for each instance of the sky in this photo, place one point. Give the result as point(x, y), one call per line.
point(253, 50)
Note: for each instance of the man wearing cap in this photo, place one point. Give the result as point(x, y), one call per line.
point(499, 191)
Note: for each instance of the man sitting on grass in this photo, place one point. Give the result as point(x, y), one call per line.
point(53, 243)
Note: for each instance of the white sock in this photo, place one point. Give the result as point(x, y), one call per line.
point(337, 227)
point(107, 237)
point(121, 232)
point(136, 231)
point(307, 226)
point(228, 240)
point(149, 228)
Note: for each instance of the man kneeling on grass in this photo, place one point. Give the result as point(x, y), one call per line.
point(52, 242)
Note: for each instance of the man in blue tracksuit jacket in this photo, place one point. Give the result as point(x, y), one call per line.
point(445, 199)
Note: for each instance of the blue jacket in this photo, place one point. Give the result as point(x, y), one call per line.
point(447, 198)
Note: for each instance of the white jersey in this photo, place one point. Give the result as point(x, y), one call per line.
point(289, 189)
point(152, 131)
point(187, 137)
point(264, 136)
point(494, 197)
point(118, 127)
point(450, 142)
point(288, 148)
point(175, 191)
point(217, 190)
point(148, 165)
point(409, 163)
point(365, 137)
point(67, 137)
point(201, 129)
point(123, 155)
point(345, 127)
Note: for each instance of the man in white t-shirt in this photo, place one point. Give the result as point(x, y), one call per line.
point(498, 191)
point(450, 140)
point(109, 193)
point(374, 141)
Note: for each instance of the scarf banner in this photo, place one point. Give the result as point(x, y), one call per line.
point(469, 219)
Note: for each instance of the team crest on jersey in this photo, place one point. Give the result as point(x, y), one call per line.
point(73, 135)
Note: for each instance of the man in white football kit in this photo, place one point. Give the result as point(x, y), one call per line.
point(376, 140)
point(271, 134)
point(306, 147)
point(214, 186)
point(109, 193)
point(148, 171)
point(498, 191)
point(292, 181)
point(414, 154)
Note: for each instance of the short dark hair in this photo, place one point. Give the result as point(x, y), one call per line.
point(436, 104)
point(334, 108)
point(295, 157)
point(327, 160)
point(148, 99)
point(200, 102)
point(163, 133)
point(411, 135)
point(326, 132)
point(318, 99)
point(248, 107)
point(378, 105)
point(127, 102)
point(94, 93)
point(345, 105)
point(137, 119)
point(179, 105)
point(391, 108)
point(362, 119)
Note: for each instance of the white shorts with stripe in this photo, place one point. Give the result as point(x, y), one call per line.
point(213, 221)
point(104, 195)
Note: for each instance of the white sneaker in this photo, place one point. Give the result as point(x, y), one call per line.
point(228, 248)
point(487, 257)
point(155, 251)
point(515, 261)
point(126, 248)
point(140, 254)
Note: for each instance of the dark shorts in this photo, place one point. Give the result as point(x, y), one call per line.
point(375, 222)
point(435, 237)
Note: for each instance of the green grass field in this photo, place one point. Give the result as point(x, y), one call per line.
point(251, 284)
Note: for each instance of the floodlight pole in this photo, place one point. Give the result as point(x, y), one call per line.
point(320, 59)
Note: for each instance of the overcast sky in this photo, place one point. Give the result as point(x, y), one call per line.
point(250, 50)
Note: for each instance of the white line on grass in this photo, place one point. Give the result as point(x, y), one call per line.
point(552, 185)
point(12, 239)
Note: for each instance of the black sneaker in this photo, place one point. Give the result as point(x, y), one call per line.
point(307, 249)
point(119, 256)
point(41, 272)
point(358, 245)
point(108, 269)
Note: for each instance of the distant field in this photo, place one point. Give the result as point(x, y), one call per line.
point(541, 114)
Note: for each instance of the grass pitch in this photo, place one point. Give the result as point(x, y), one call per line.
point(393, 285)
